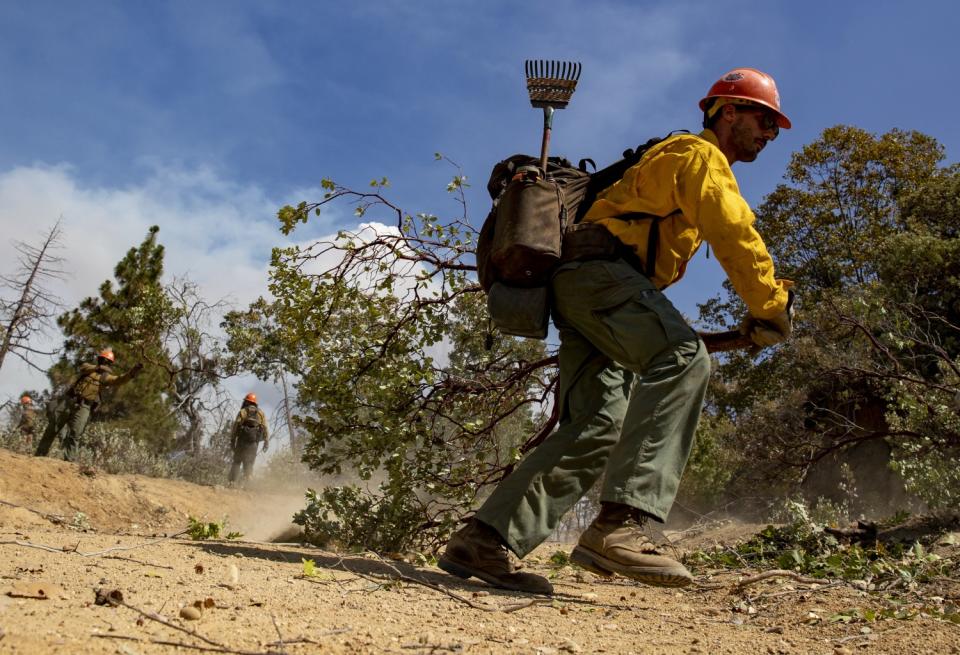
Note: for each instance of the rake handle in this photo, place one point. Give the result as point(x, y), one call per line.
point(545, 142)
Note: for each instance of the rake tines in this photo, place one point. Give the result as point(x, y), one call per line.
point(550, 83)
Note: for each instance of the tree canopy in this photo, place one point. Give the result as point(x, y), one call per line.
point(128, 316)
point(865, 226)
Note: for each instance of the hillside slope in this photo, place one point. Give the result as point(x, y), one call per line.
point(131, 504)
point(260, 598)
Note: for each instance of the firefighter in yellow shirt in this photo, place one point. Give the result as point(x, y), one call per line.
point(633, 374)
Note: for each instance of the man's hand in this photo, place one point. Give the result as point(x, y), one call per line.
point(265, 446)
point(766, 332)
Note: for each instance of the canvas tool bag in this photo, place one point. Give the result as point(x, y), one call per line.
point(521, 242)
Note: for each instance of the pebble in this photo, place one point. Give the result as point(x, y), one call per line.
point(190, 613)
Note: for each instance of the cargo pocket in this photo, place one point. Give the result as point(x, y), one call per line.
point(637, 331)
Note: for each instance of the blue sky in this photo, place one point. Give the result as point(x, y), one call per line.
point(204, 117)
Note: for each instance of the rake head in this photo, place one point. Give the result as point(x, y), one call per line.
point(551, 83)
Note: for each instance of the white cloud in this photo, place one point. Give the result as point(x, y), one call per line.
point(214, 231)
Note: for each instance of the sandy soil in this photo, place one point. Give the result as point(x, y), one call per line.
point(258, 600)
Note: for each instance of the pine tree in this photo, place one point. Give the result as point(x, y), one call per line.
point(128, 316)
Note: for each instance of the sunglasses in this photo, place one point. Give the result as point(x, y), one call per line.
point(766, 119)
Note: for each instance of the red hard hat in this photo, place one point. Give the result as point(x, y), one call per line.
point(106, 354)
point(748, 84)
point(26, 400)
point(251, 397)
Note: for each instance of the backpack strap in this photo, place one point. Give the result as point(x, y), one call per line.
point(649, 267)
point(630, 158)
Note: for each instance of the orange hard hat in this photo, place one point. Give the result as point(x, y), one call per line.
point(106, 354)
point(251, 398)
point(26, 400)
point(751, 85)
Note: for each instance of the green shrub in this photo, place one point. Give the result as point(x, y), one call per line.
point(349, 518)
point(201, 531)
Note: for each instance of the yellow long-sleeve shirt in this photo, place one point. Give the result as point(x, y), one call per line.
point(687, 180)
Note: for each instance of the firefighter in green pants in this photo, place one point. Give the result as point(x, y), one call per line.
point(632, 372)
point(27, 425)
point(249, 429)
point(69, 415)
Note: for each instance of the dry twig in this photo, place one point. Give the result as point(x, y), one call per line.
point(74, 551)
point(308, 640)
point(136, 561)
point(823, 587)
point(181, 644)
point(283, 648)
point(159, 619)
point(777, 573)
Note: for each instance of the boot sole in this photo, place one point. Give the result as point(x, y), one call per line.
point(586, 562)
point(655, 577)
point(466, 572)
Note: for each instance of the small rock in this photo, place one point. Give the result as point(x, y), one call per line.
point(570, 646)
point(190, 613)
point(112, 597)
point(232, 580)
point(842, 650)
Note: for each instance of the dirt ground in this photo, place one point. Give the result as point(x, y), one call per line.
point(256, 598)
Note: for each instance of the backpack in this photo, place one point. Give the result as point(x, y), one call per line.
point(521, 241)
point(250, 428)
point(88, 386)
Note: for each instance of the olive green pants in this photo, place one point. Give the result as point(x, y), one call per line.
point(245, 455)
point(632, 380)
point(67, 422)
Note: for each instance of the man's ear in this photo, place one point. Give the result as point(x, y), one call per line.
point(729, 112)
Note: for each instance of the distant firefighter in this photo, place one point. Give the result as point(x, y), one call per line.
point(27, 425)
point(249, 429)
point(69, 414)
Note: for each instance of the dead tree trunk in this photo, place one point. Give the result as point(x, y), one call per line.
point(33, 305)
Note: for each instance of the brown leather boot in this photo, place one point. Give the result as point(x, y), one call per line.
point(615, 543)
point(477, 550)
